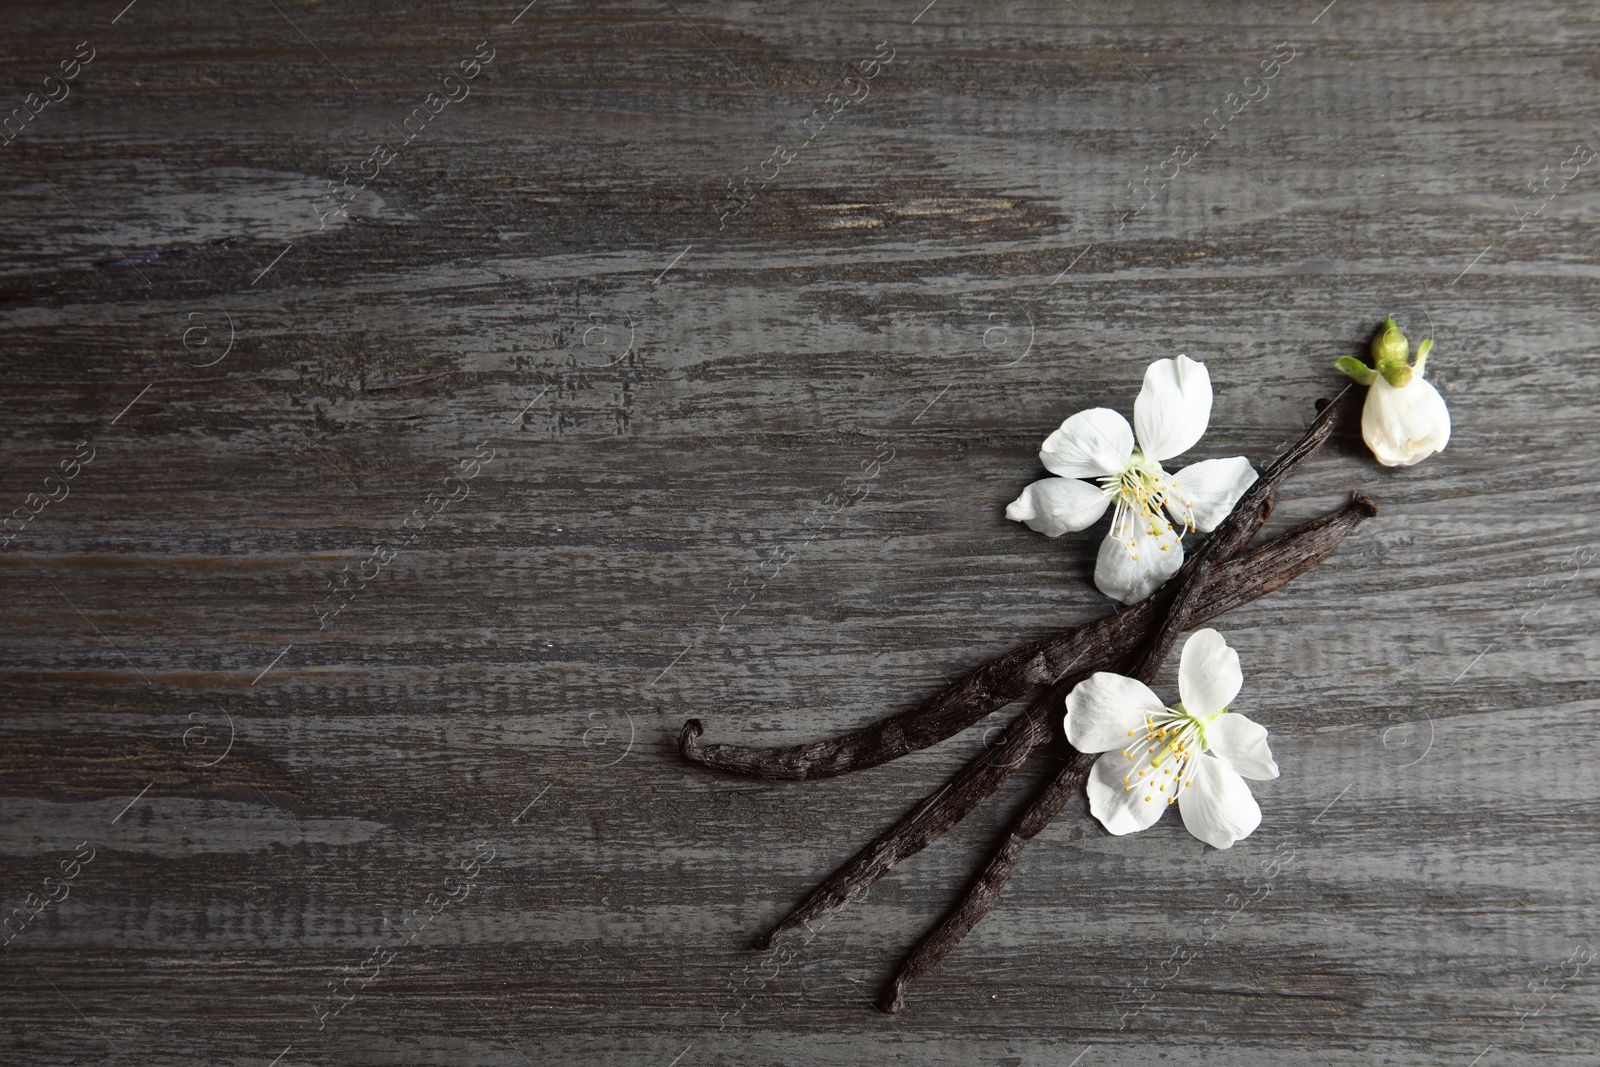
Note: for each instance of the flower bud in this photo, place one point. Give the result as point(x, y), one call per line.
point(1404, 420)
point(1390, 347)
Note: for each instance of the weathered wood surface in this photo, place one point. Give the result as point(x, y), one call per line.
point(653, 537)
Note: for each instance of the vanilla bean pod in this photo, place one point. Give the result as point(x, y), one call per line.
point(1005, 679)
point(1095, 645)
point(1293, 554)
point(984, 892)
point(986, 772)
point(937, 812)
point(1002, 680)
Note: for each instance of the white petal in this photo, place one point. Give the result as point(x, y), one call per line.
point(1122, 810)
point(1091, 444)
point(1208, 673)
point(1054, 506)
point(1173, 407)
point(1241, 744)
point(1218, 807)
point(1208, 490)
point(1404, 426)
point(1130, 572)
point(1103, 708)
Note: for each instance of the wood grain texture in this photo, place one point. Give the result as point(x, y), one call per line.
point(926, 288)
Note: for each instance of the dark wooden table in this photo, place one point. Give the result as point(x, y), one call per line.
point(427, 408)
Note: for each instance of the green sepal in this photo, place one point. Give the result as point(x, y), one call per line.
point(1358, 371)
point(1390, 347)
point(1422, 356)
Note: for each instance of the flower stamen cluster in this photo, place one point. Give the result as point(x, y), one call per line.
point(1176, 734)
point(1145, 493)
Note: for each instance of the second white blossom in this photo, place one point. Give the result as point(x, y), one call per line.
point(1195, 754)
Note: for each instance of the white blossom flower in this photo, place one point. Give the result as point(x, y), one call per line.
point(1404, 420)
point(1142, 549)
point(1196, 754)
